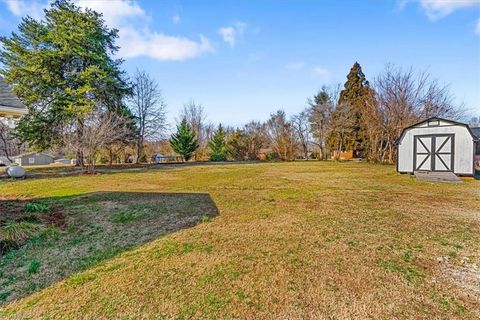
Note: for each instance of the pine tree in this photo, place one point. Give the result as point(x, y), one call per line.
point(63, 68)
point(184, 141)
point(218, 145)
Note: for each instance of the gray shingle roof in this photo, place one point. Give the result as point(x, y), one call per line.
point(476, 132)
point(8, 98)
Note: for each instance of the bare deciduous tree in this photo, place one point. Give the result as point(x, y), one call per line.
point(256, 138)
point(474, 122)
point(342, 124)
point(401, 99)
point(100, 130)
point(8, 144)
point(282, 135)
point(149, 109)
point(301, 127)
point(320, 115)
point(196, 118)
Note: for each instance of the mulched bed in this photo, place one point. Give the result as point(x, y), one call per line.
point(13, 210)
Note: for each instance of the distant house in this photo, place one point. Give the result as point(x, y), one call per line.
point(33, 159)
point(158, 158)
point(11, 108)
point(438, 145)
point(4, 161)
point(263, 153)
point(345, 155)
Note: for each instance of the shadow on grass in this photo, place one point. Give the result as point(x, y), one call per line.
point(98, 226)
point(43, 172)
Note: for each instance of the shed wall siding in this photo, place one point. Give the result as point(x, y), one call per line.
point(464, 147)
point(38, 159)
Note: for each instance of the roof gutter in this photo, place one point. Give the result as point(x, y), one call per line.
point(13, 109)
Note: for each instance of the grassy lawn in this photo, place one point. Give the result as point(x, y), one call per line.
point(301, 240)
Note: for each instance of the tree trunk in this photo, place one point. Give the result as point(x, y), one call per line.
point(139, 151)
point(80, 163)
point(110, 157)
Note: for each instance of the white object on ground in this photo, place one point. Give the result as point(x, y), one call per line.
point(15, 171)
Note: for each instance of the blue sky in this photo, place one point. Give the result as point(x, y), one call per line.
point(242, 60)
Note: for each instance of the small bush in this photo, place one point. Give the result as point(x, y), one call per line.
point(15, 233)
point(34, 266)
point(271, 156)
point(36, 207)
point(218, 157)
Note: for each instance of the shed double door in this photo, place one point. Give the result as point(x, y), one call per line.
point(433, 152)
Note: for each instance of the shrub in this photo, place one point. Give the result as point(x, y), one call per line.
point(36, 207)
point(34, 266)
point(272, 156)
point(15, 233)
point(218, 157)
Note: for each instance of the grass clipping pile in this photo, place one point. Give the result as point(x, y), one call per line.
point(23, 220)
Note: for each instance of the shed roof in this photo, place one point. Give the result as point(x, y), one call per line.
point(32, 154)
point(474, 136)
point(8, 98)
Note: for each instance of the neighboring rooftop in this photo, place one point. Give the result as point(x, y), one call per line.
point(8, 98)
point(476, 132)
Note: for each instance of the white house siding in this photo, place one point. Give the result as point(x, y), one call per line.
point(463, 146)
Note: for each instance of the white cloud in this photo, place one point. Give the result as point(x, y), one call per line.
point(438, 9)
point(115, 12)
point(230, 34)
point(32, 8)
point(135, 36)
point(160, 46)
point(176, 19)
point(295, 66)
point(322, 73)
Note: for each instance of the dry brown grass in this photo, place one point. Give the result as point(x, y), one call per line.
point(303, 240)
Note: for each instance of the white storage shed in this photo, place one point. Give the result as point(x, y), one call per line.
point(439, 145)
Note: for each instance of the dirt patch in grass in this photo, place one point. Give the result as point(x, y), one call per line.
point(466, 276)
point(14, 210)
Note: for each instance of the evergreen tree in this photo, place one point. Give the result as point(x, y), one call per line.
point(63, 68)
point(320, 118)
point(184, 141)
point(218, 145)
point(355, 95)
point(237, 145)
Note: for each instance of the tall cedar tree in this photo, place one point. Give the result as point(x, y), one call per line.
point(184, 141)
point(355, 95)
point(218, 145)
point(63, 68)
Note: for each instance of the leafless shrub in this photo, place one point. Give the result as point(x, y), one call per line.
point(100, 129)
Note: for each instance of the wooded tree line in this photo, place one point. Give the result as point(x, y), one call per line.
point(79, 100)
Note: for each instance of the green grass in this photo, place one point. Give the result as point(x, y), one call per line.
point(36, 207)
point(317, 240)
